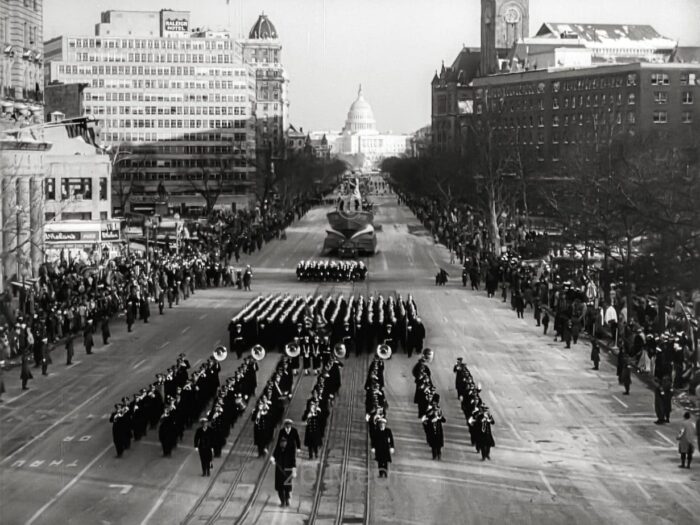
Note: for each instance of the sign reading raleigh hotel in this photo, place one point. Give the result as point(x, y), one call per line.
point(176, 24)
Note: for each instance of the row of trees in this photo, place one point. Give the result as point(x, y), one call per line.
point(631, 197)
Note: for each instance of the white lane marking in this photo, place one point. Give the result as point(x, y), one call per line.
point(664, 438)
point(546, 483)
point(10, 400)
point(138, 364)
point(642, 490)
point(515, 431)
point(124, 489)
point(162, 496)
point(493, 396)
point(65, 489)
point(203, 316)
point(185, 329)
point(620, 401)
point(55, 424)
point(164, 345)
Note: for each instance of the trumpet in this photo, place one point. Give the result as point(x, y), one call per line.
point(220, 353)
point(383, 351)
point(339, 350)
point(292, 349)
point(257, 352)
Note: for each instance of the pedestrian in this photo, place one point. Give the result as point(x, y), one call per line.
point(161, 301)
point(25, 372)
point(312, 435)
point(595, 354)
point(626, 374)
point(87, 338)
point(70, 350)
point(45, 357)
point(686, 440)
point(383, 447)
point(545, 322)
point(203, 438)
point(2, 380)
point(284, 457)
point(105, 329)
point(247, 277)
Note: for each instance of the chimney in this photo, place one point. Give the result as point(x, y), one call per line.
point(57, 116)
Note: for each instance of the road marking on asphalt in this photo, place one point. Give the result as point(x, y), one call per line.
point(10, 400)
point(65, 489)
point(493, 396)
point(515, 431)
point(620, 401)
point(185, 329)
point(642, 490)
point(546, 483)
point(55, 424)
point(164, 345)
point(463, 481)
point(664, 438)
point(203, 316)
point(124, 488)
point(138, 364)
point(163, 494)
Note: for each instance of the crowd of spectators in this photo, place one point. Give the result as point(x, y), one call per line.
point(653, 336)
point(73, 298)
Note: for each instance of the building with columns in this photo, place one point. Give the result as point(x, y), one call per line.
point(360, 137)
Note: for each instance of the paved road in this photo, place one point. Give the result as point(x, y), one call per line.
point(569, 445)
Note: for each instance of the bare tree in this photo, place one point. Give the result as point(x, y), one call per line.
point(210, 186)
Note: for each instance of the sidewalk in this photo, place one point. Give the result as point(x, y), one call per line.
point(682, 399)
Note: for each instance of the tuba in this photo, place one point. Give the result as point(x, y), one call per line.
point(339, 351)
point(257, 352)
point(292, 349)
point(220, 353)
point(428, 355)
point(384, 351)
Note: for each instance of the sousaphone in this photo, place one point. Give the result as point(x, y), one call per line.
point(257, 352)
point(339, 351)
point(292, 349)
point(383, 351)
point(220, 353)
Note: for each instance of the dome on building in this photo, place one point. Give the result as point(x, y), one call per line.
point(263, 29)
point(360, 117)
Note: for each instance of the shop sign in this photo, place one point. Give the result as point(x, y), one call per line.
point(88, 236)
point(110, 235)
point(61, 236)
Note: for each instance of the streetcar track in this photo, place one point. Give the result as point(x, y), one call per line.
point(230, 491)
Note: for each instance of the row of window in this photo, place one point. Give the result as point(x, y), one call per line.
point(147, 70)
point(149, 175)
point(74, 188)
point(170, 110)
point(161, 58)
point(175, 124)
point(73, 216)
point(661, 117)
point(661, 97)
point(155, 43)
point(109, 96)
point(133, 136)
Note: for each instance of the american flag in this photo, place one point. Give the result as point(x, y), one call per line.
point(81, 129)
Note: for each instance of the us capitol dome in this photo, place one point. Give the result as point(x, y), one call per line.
point(360, 136)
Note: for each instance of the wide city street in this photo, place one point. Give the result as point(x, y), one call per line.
point(570, 448)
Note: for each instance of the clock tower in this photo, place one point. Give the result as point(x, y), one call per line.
point(503, 22)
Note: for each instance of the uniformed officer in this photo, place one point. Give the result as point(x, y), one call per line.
point(203, 445)
point(383, 447)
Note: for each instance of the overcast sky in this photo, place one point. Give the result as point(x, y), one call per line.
point(392, 47)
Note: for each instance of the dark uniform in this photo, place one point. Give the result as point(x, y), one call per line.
point(203, 444)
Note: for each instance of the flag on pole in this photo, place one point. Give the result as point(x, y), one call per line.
point(81, 129)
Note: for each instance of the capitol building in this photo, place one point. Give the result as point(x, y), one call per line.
point(360, 136)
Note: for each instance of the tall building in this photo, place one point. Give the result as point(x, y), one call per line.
point(175, 104)
point(21, 152)
point(21, 70)
point(262, 51)
point(550, 111)
point(503, 22)
point(360, 137)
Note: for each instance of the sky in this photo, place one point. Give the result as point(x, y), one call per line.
point(391, 47)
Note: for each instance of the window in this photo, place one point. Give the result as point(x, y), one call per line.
point(631, 99)
point(659, 79)
point(687, 97)
point(631, 117)
point(50, 189)
point(660, 117)
point(103, 188)
point(684, 79)
point(49, 216)
point(687, 117)
point(76, 188)
point(660, 97)
point(632, 79)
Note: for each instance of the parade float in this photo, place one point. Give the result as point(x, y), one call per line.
point(351, 231)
